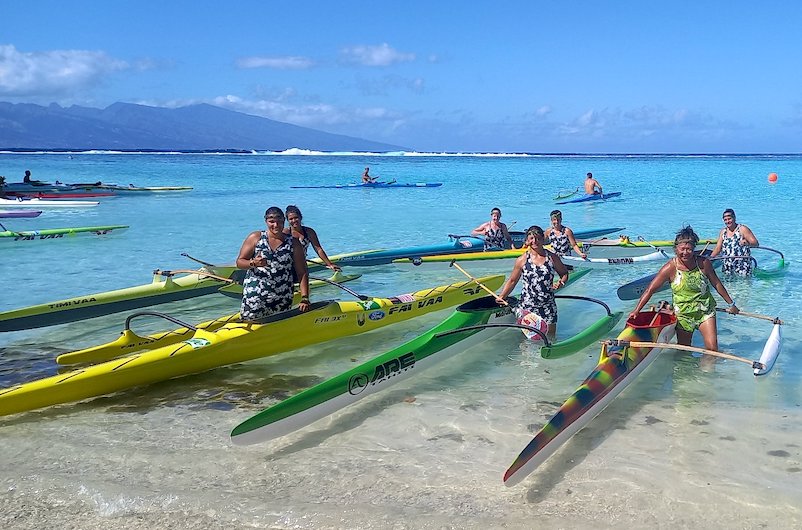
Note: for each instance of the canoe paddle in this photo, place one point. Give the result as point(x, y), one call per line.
point(206, 263)
point(639, 344)
point(477, 282)
point(774, 320)
point(190, 271)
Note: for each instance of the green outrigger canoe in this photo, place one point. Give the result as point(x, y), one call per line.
point(10, 236)
point(471, 324)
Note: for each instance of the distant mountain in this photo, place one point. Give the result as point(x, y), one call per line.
point(130, 127)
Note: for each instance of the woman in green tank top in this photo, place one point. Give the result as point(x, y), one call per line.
point(690, 277)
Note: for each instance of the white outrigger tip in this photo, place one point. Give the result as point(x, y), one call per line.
point(770, 350)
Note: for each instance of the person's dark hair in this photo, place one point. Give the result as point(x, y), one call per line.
point(27, 171)
point(534, 229)
point(729, 211)
point(496, 209)
point(686, 235)
point(293, 209)
point(555, 213)
point(590, 175)
point(275, 211)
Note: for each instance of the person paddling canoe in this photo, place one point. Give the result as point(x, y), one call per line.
point(269, 257)
point(691, 276)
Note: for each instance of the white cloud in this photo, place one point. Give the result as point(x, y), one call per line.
point(52, 72)
point(381, 55)
point(278, 63)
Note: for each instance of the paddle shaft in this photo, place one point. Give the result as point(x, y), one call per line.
point(480, 284)
point(199, 273)
point(638, 344)
point(775, 320)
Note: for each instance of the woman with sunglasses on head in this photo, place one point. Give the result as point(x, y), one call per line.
point(270, 257)
point(561, 238)
point(538, 267)
point(306, 235)
point(495, 233)
point(735, 240)
point(690, 276)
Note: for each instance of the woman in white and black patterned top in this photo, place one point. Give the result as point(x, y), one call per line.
point(495, 232)
point(270, 257)
point(538, 267)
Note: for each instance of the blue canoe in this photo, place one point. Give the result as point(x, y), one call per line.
point(456, 244)
point(597, 197)
point(381, 185)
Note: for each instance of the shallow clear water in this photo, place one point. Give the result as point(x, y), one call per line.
point(679, 447)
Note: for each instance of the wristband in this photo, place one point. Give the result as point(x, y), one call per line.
point(304, 299)
point(733, 304)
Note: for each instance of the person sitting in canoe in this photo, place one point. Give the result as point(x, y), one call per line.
point(269, 256)
point(691, 276)
point(735, 240)
point(495, 232)
point(306, 235)
point(28, 180)
point(366, 178)
point(538, 267)
point(561, 237)
point(592, 186)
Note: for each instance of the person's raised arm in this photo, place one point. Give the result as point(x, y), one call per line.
point(719, 244)
point(479, 230)
point(245, 259)
point(313, 239)
point(561, 269)
point(749, 237)
point(515, 275)
point(574, 244)
point(663, 276)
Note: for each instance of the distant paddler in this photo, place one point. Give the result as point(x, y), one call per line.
point(735, 240)
point(269, 257)
point(538, 267)
point(495, 233)
point(306, 235)
point(690, 276)
point(366, 178)
point(592, 186)
point(561, 237)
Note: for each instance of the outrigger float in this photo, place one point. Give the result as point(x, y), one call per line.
point(620, 362)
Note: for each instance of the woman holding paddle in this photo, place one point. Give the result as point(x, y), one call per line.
point(690, 277)
point(538, 267)
point(270, 257)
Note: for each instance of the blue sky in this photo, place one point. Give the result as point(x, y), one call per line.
point(584, 76)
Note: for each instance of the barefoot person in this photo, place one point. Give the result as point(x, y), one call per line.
point(592, 186)
point(495, 232)
point(270, 256)
point(538, 267)
point(735, 240)
point(306, 235)
point(691, 277)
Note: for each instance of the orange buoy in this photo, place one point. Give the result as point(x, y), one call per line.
point(772, 177)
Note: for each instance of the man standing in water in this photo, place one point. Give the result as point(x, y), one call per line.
point(592, 186)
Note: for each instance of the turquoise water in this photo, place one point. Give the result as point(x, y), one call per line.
point(676, 446)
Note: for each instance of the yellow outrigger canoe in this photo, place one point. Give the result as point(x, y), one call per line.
point(137, 360)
